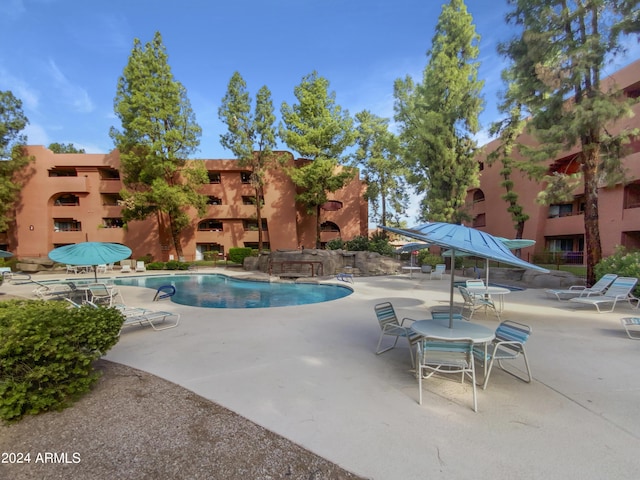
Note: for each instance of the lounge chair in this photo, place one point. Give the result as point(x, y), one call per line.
point(101, 294)
point(445, 356)
point(632, 326)
point(508, 345)
point(125, 266)
point(620, 289)
point(573, 291)
point(389, 325)
point(438, 271)
point(152, 318)
point(72, 269)
point(140, 267)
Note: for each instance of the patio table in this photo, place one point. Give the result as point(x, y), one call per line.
point(411, 270)
point(439, 327)
point(488, 291)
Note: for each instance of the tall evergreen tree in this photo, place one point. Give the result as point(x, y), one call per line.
point(557, 60)
point(65, 148)
point(319, 130)
point(439, 117)
point(159, 132)
point(378, 156)
point(13, 156)
point(251, 138)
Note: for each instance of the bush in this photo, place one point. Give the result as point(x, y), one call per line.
point(238, 254)
point(335, 244)
point(210, 256)
point(623, 263)
point(358, 244)
point(148, 258)
point(427, 258)
point(155, 266)
point(47, 353)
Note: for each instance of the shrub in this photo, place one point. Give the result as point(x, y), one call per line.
point(47, 353)
point(381, 246)
point(427, 258)
point(358, 244)
point(210, 256)
point(171, 265)
point(238, 254)
point(623, 263)
point(148, 258)
point(335, 244)
point(155, 266)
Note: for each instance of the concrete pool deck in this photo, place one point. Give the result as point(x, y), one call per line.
point(309, 373)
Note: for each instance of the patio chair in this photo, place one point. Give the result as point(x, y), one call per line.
point(101, 294)
point(475, 283)
point(573, 291)
point(389, 325)
point(72, 269)
point(140, 266)
point(125, 266)
point(102, 268)
point(151, 318)
point(508, 345)
point(632, 326)
point(476, 302)
point(620, 289)
point(445, 356)
point(438, 271)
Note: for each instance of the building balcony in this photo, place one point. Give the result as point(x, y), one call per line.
point(110, 185)
point(567, 225)
point(68, 184)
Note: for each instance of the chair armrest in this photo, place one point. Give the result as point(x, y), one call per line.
point(577, 287)
point(407, 318)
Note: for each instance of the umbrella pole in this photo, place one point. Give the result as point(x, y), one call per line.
point(453, 262)
point(486, 269)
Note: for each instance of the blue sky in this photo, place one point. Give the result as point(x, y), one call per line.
point(63, 58)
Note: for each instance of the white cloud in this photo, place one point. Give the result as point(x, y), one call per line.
point(22, 91)
point(75, 95)
point(36, 135)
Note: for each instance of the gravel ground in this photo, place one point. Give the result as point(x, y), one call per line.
point(135, 425)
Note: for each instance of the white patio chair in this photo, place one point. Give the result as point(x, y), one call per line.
point(445, 356)
point(508, 345)
point(72, 269)
point(140, 266)
point(476, 302)
point(573, 291)
point(389, 325)
point(631, 325)
point(102, 294)
point(438, 271)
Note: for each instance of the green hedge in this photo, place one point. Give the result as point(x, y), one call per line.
point(47, 353)
point(238, 254)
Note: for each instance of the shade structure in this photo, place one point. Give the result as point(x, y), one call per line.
point(459, 238)
point(412, 247)
point(90, 253)
point(5, 254)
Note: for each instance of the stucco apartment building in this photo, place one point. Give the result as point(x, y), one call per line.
point(72, 198)
point(560, 227)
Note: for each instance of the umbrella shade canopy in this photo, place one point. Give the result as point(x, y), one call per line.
point(459, 238)
point(514, 244)
point(5, 254)
point(90, 253)
point(412, 247)
point(465, 239)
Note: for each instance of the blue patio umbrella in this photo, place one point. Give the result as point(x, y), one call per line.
point(90, 253)
point(459, 238)
point(5, 254)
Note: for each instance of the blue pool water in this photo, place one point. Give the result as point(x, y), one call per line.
point(220, 291)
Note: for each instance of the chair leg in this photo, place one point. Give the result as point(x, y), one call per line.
point(378, 351)
point(473, 384)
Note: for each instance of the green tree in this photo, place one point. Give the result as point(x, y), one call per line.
point(65, 148)
point(251, 138)
point(439, 117)
point(508, 130)
point(13, 155)
point(378, 156)
point(557, 59)
point(159, 132)
point(320, 131)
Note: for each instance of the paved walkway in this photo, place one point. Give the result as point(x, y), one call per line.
point(309, 373)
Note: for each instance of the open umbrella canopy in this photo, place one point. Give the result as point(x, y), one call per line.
point(5, 254)
point(460, 238)
point(90, 253)
point(412, 247)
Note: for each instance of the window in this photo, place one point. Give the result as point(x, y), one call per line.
point(109, 174)
point(251, 225)
point(110, 199)
point(478, 196)
point(632, 195)
point(251, 200)
point(560, 210)
point(112, 223)
point(210, 225)
point(329, 227)
point(479, 220)
point(66, 225)
point(63, 172)
point(66, 200)
point(245, 177)
point(213, 200)
point(214, 177)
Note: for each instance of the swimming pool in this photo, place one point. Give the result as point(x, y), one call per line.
point(220, 291)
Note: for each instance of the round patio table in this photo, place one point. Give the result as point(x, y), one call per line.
point(488, 291)
point(439, 327)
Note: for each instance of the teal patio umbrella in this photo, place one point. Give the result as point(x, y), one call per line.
point(459, 238)
point(5, 254)
point(90, 253)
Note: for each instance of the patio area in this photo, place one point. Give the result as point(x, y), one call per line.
point(310, 373)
